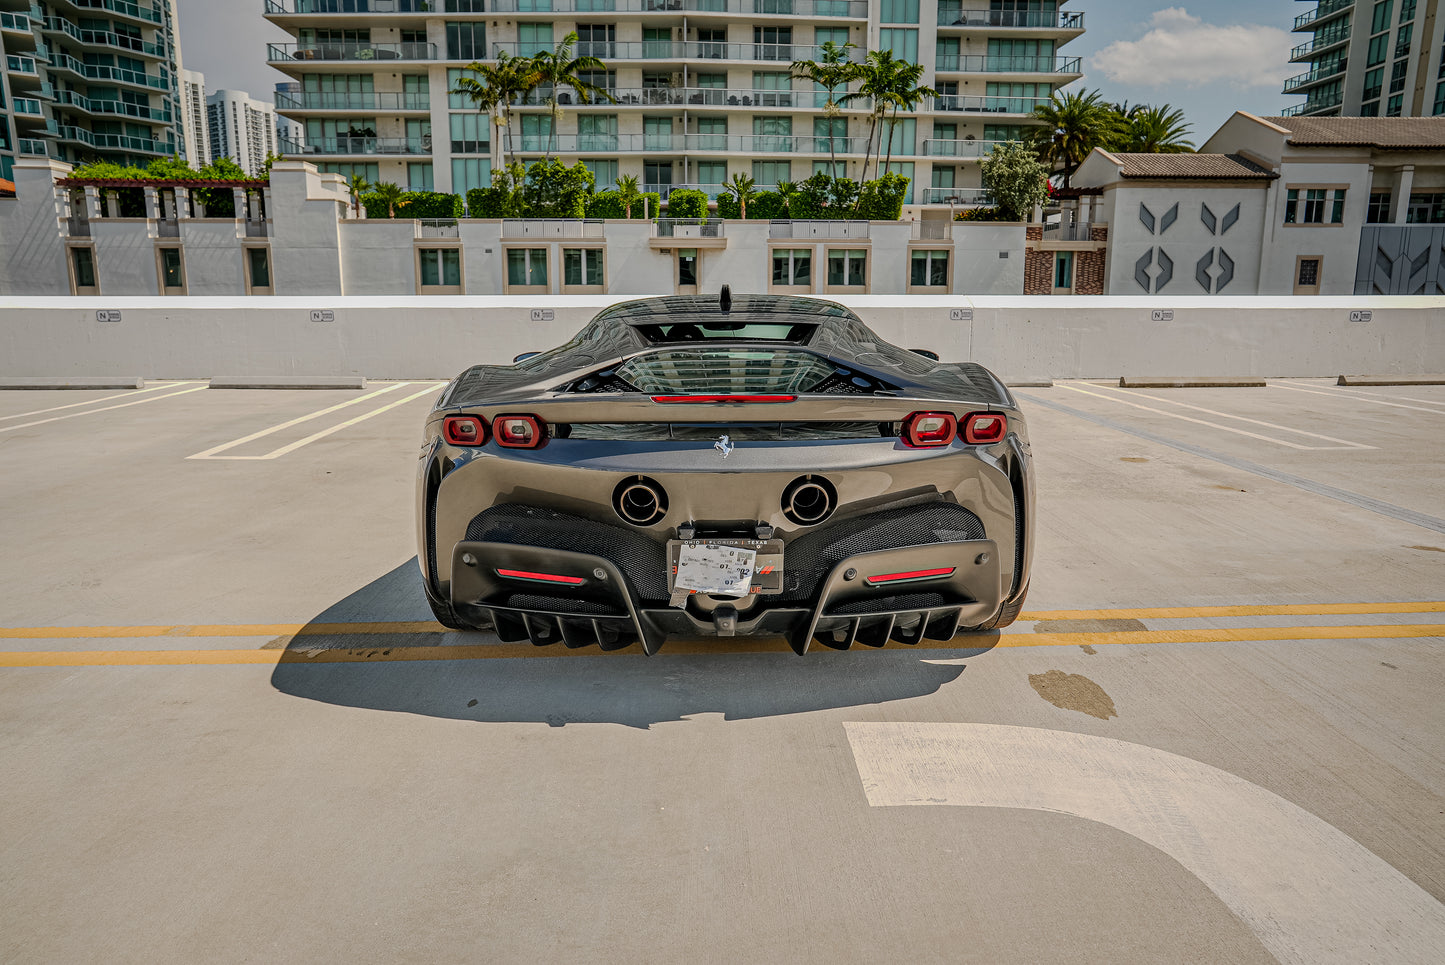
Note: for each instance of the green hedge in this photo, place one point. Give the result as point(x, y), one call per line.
point(415, 204)
point(688, 204)
point(608, 204)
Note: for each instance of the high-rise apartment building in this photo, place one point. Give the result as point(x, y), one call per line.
point(241, 128)
point(194, 125)
point(92, 79)
point(1371, 59)
point(702, 88)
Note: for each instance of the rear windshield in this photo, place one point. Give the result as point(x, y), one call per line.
point(727, 371)
point(796, 333)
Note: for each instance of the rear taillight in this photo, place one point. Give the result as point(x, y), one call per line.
point(983, 428)
point(910, 576)
point(519, 431)
point(927, 430)
point(532, 577)
point(465, 430)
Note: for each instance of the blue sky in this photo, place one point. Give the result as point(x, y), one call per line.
point(1208, 58)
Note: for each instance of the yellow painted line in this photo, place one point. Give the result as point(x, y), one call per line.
point(429, 626)
point(1261, 610)
point(383, 653)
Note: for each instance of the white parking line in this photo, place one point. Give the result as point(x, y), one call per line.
point(1312, 894)
point(1215, 425)
point(292, 447)
point(107, 408)
point(1357, 397)
point(1344, 443)
point(104, 398)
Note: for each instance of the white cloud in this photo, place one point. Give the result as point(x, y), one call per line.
point(1180, 48)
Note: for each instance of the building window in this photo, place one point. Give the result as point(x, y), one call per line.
point(687, 267)
point(1380, 17)
point(793, 268)
point(471, 133)
point(582, 267)
point(1374, 83)
point(173, 273)
point(258, 270)
point(902, 41)
point(1395, 105)
point(899, 11)
point(419, 176)
point(711, 175)
point(466, 6)
point(769, 174)
point(1379, 48)
point(1372, 109)
point(1426, 209)
point(1397, 75)
point(773, 43)
point(533, 39)
point(469, 173)
point(848, 268)
point(1439, 99)
point(82, 266)
point(1307, 276)
point(527, 267)
point(1407, 10)
point(467, 41)
point(1314, 206)
point(1063, 272)
point(928, 269)
point(604, 173)
point(1378, 211)
point(439, 270)
point(597, 132)
point(1402, 39)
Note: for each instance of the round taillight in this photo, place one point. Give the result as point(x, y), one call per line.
point(519, 431)
point(927, 430)
point(984, 428)
point(464, 430)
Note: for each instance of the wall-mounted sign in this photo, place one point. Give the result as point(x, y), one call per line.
point(1162, 315)
point(107, 316)
point(321, 315)
point(1364, 315)
point(960, 314)
point(543, 315)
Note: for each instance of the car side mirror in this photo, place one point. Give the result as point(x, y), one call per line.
point(526, 355)
point(926, 353)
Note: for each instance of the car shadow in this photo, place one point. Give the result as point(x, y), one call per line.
point(378, 649)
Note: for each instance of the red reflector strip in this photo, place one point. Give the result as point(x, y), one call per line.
point(542, 577)
point(723, 398)
point(913, 576)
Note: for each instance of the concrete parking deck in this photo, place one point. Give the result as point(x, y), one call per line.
point(231, 732)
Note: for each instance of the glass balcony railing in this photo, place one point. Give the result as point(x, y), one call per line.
point(937, 147)
point(104, 38)
point(117, 142)
point(34, 147)
point(1325, 9)
point(954, 15)
point(326, 50)
point(856, 9)
point(937, 195)
point(119, 74)
point(1314, 76)
point(21, 65)
point(112, 108)
point(315, 100)
point(970, 103)
point(693, 97)
point(692, 143)
point(1316, 105)
point(1325, 38)
point(28, 106)
point(358, 145)
point(983, 64)
point(690, 50)
point(15, 21)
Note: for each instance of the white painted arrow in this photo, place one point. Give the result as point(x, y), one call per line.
point(1310, 892)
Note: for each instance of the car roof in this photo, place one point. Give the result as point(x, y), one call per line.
point(744, 308)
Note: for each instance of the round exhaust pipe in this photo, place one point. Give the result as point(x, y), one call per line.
point(809, 500)
point(640, 501)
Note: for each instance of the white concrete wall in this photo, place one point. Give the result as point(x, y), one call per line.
point(1188, 239)
point(1337, 245)
point(32, 242)
point(435, 337)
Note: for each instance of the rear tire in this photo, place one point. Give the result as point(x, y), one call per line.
point(444, 615)
point(1007, 614)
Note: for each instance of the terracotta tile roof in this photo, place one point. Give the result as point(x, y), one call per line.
point(1385, 133)
point(1209, 167)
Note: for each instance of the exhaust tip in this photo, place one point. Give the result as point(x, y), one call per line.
point(640, 501)
point(809, 500)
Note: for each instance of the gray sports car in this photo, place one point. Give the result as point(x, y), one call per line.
point(721, 466)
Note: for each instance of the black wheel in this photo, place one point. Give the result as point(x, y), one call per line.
point(445, 616)
point(1007, 614)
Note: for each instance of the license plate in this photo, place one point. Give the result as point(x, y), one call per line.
point(767, 567)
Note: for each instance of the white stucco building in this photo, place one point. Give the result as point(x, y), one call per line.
point(241, 128)
point(195, 125)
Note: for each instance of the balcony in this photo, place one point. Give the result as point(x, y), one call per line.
point(818, 229)
point(692, 97)
point(116, 142)
point(747, 144)
point(136, 78)
point(1313, 76)
point(34, 147)
point(16, 22)
point(1315, 106)
point(713, 191)
point(351, 7)
point(27, 106)
point(357, 52)
point(124, 8)
point(381, 101)
point(437, 228)
point(932, 230)
point(110, 108)
point(959, 196)
point(935, 147)
point(1325, 10)
point(952, 15)
point(1073, 231)
point(689, 50)
point(104, 38)
point(973, 104)
point(21, 65)
point(543, 228)
point(1323, 41)
point(688, 229)
point(854, 9)
point(983, 64)
point(358, 146)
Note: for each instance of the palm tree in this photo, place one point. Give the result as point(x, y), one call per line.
point(787, 191)
point(906, 94)
point(389, 194)
point(741, 187)
point(879, 76)
point(1075, 124)
point(495, 87)
point(357, 185)
point(835, 70)
point(557, 67)
point(1157, 130)
point(628, 193)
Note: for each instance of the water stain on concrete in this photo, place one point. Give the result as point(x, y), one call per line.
point(1132, 459)
point(1088, 626)
point(1087, 649)
point(1071, 691)
point(276, 643)
point(1431, 549)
